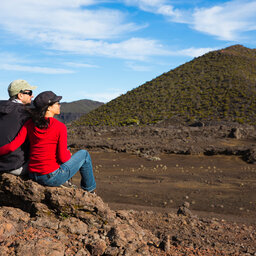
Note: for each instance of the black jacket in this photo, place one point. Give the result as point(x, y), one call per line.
point(12, 117)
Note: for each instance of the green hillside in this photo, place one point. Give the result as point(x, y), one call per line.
point(220, 85)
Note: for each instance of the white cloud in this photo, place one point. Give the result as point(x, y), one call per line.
point(80, 65)
point(145, 4)
point(136, 67)
point(34, 69)
point(156, 6)
point(12, 62)
point(102, 97)
point(69, 26)
point(134, 48)
point(42, 21)
point(194, 52)
point(226, 21)
point(10, 58)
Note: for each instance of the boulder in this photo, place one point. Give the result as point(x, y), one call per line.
point(64, 221)
point(236, 133)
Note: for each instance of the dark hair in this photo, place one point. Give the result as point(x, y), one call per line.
point(38, 116)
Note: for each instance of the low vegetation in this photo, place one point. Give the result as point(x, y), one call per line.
point(220, 85)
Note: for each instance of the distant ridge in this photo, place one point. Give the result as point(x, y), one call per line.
point(220, 85)
point(71, 111)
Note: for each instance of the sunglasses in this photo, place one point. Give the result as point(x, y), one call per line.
point(28, 92)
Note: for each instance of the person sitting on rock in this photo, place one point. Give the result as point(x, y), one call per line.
point(13, 115)
point(50, 162)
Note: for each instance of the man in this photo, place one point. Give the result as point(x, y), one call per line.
point(13, 115)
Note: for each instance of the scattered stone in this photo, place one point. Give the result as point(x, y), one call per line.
point(184, 210)
point(236, 133)
point(7, 229)
point(98, 247)
point(51, 223)
point(251, 155)
point(186, 204)
point(82, 252)
point(40, 246)
point(164, 203)
point(74, 226)
point(165, 244)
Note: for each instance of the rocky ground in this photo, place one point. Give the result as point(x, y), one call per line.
point(169, 138)
point(37, 220)
point(165, 196)
point(221, 187)
point(214, 185)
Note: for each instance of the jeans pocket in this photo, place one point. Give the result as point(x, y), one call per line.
point(48, 179)
point(52, 174)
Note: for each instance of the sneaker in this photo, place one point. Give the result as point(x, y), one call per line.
point(68, 184)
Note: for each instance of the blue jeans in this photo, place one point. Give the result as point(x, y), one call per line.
point(81, 161)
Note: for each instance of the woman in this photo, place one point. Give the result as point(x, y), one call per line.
point(50, 161)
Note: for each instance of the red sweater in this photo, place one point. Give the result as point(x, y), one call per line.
point(48, 147)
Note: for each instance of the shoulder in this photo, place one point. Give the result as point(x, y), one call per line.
point(57, 123)
point(4, 102)
point(14, 112)
point(22, 112)
point(6, 106)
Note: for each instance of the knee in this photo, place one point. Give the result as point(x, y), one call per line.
point(85, 153)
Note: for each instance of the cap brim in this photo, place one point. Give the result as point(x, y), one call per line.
point(55, 99)
point(30, 87)
point(58, 98)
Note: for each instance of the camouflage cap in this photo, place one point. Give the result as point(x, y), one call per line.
point(18, 85)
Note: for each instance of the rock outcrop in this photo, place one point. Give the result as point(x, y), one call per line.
point(58, 221)
point(38, 220)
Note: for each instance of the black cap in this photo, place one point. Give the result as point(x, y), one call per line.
point(45, 99)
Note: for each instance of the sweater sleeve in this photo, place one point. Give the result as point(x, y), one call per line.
point(63, 154)
point(17, 142)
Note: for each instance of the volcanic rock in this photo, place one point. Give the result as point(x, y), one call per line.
point(150, 141)
point(236, 133)
point(38, 220)
point(184, 210)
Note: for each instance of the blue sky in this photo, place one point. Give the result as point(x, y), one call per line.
point(99, 49)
